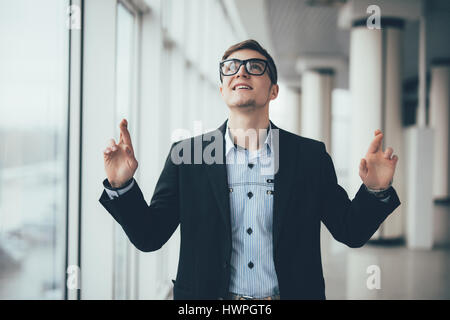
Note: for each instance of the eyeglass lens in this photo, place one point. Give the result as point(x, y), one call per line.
point(254, 67)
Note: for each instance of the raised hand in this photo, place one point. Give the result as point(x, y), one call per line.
point(377, 168)
point(119, 160)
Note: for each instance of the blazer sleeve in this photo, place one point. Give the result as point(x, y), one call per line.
point(352, 222)
point(148, 227)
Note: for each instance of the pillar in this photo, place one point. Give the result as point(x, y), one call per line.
point(317, 86)
point(285, 110)
point(440, 122)
point(418, 204)
point(420, 153)
point(375, 85)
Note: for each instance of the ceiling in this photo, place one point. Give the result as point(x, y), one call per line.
point(299, 29)
point(296, 31)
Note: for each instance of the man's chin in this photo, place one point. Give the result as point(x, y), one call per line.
point(244, 104)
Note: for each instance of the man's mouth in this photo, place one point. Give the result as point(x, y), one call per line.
point(242, 87)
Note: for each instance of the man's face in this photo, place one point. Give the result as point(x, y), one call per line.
point(261, 90)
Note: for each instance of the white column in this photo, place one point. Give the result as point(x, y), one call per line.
point(419, 178)
point(419, 222)
point(285, 110)
point(375, 85)
point(317, 86)
point(393, 127)
point(439, 121)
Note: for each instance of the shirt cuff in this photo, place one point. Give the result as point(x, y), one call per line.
point(116, 192)
point(382, 195)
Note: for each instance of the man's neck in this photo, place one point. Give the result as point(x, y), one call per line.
point(248, 130)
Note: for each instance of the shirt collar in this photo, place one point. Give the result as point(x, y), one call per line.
point(229, 144)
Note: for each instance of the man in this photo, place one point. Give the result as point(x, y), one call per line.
point(250, 219)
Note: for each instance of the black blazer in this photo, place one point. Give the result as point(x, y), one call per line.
point(196, 196)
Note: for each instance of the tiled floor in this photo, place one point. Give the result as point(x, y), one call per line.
point(404, 273)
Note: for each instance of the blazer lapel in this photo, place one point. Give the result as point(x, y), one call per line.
point(217, 174)
point(285, 161)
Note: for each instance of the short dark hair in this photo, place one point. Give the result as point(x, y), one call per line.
point(254, 45)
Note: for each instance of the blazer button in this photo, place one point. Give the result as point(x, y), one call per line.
point(225, 265)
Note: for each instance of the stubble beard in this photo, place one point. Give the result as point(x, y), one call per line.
point(246, 104)
point(249, 104)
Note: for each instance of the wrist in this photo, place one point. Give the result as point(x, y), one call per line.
point(115, 185)
point(378, 189)
point(380, 193)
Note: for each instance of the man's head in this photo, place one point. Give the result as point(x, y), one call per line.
point(249, 65)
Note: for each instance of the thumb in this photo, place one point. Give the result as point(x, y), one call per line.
point(363, 167)
point(395, 159)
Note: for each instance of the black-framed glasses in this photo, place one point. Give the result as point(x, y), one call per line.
point(253, 66)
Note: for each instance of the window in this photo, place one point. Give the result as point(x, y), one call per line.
point(33, 145)
point(125, 50)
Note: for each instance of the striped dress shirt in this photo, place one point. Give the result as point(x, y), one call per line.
point(251, 187)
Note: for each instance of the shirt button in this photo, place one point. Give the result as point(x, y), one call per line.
point(269, 192)
point(250, 165)
point(250, 195)
point(250, 265)
point(249, 230)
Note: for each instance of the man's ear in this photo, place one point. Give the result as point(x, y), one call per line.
point(274, 91)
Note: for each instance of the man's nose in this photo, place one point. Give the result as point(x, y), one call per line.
point(242, 71)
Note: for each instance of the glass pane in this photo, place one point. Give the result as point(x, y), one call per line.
point(33, 145)
point(124, 55)
point(124, 100)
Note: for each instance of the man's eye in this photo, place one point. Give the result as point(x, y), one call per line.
point(255, 67)
point(229, 68)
